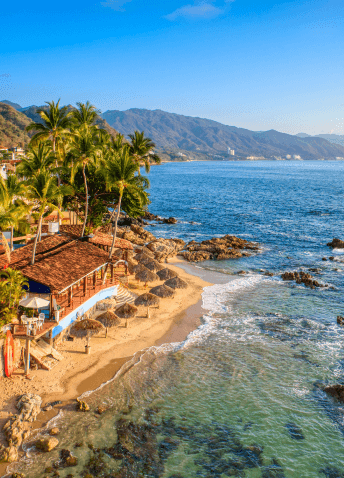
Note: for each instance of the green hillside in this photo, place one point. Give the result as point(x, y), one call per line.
point(12, 127)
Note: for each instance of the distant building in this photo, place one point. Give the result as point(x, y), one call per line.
point(297, 156)
point(288, 156)
point(255, 158)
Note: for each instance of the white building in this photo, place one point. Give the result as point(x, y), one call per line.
point(231, 152)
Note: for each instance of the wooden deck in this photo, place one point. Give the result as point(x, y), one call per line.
point(19, 331)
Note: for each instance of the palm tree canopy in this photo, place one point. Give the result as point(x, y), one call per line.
point(55, 122)
point(141, 149)
point(38, 159)
point(85, 115)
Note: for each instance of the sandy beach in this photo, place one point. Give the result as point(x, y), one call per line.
point(78, 372)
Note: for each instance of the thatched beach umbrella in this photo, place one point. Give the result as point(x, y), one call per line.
point(108, 319)
point(154, 266)
point(131, 267)
point(85, 329)
point(147, 300)
point(126, 311)
point(162, 291)
point(142, 258)
point(138, 268)
point(166, 274)
point(146, 276)
point(176, 283)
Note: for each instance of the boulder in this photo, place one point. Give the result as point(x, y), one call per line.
point(340, 320)
point(47, 444)
point(82, 406)
point(9, 454)
point(170, 220)
point(29, 406)
point(336, 391)
point(54, 431)
point(336, 243)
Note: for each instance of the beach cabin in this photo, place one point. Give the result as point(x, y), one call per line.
point(72, 274)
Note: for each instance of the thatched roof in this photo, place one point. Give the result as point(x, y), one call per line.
point(162, 291)
point(143, 258)
point(109, 319)
point(132, 267)
point(139, 267)
point(176, 283)
point(154, 266)
point(147, 299)
point(146, 276)
point(126, 311)
point(165, 274)
point(86, 328)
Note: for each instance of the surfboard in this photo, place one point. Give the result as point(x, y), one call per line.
point(9, 354)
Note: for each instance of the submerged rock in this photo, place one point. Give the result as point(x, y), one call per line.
point(336, 391)
point(295, 431)
point(301, 278)
point(47, 444)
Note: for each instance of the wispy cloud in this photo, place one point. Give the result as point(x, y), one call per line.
point(115, 4)
point(200, 10)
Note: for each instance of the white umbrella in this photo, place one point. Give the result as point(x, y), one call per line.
point(34, 303)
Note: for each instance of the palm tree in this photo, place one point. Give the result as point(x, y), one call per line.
point(56, 122)
point(85, 115)
point(141, 149)
point(12, 283)
point(38, 158)
point(120, 175)
point(14, 208)
point(83, 152)
point(44, 191)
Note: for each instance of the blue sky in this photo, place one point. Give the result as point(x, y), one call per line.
point(258, 65)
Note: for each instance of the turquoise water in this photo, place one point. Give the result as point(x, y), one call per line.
point(242, 396)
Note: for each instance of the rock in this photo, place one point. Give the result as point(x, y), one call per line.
point(336, 391)
point(340, 320)
point(242, 272)
point(82, 406)
point(324, 259)
point(9, 454)
point(219, 248)
point(336, 243)
point(47, 444)
point(170, 220)
point(54, 431)
point(17, 475)
point(29, 406)
point(47, 408)
point(331, 258)
point(301, 278)
point(100, 410)
point(269, 274)
point(106, 304)
point(67, 459)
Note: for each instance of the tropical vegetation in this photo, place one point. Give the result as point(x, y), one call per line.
point(73, 163)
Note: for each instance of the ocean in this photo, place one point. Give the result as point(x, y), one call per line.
point(242, 395)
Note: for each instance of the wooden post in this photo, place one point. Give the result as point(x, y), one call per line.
point(112, 272)
point(85, 286)
point(27, 356)
point(94, 278)
point(70, 296)
point(51, 306)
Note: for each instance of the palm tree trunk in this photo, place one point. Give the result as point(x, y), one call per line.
point(113, 237)
point(58, 176)
point(11, 243)
point(36, 240)
point(115, 231)
point(86, 203)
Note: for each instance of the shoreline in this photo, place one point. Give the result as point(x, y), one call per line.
point(79, 373)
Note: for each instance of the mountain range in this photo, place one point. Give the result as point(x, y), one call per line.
point(183, 137)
